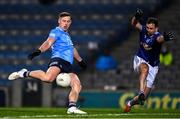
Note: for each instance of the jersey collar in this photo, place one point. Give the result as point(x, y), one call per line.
point(62, 30)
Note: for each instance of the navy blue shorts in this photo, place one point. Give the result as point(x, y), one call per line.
point(64, 65)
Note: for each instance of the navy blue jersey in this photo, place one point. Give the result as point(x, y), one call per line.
point(149, 47)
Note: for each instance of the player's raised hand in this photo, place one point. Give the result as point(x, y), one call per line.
point(168, 36)
point(34, 54)
point(138, 15)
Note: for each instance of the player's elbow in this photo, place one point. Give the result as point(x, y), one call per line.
point(132, 22)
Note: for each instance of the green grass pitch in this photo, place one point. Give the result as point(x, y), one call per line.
point(39, 113)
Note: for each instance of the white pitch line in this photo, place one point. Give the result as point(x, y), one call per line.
point(91, 115)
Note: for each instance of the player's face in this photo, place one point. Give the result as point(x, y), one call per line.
point(151, 28)
point(65, 22)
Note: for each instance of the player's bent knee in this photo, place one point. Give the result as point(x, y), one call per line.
point(77, 86)
point(80, 87)
point(75, 82)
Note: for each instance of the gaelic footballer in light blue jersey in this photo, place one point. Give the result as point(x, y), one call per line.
point(63, 53)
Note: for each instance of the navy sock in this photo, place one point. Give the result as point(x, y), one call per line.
point(72, 104)
point(133, 102)
point(26, 74)
point(141, 92)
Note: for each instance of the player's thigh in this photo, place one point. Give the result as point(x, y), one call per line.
point(139, 63)
point(52, 72)
point(143, 67)
point(151, 76)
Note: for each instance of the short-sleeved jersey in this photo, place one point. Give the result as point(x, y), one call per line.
point(149, 47)
point(63, 46)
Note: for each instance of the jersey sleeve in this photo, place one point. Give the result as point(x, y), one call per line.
point(52, 34)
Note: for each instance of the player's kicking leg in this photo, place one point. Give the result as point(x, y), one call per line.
point(18, 74)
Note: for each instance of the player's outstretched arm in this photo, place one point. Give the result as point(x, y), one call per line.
point(45, 46)
point(80, 61)
point(167, 36)
point(135, 19)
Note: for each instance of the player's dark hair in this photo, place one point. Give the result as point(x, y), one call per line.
point(152, 20)
point(64, 14)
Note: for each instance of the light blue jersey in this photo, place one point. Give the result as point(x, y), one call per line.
point(63, 46)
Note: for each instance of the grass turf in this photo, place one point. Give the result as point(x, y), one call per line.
point(92, 113)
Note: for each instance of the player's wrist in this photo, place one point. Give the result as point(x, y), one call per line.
point(82, 64)
point(37, 52)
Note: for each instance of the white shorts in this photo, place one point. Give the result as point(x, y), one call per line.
point(152, 70)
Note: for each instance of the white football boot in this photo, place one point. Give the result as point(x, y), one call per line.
point(75, 110)
point(16, 75)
